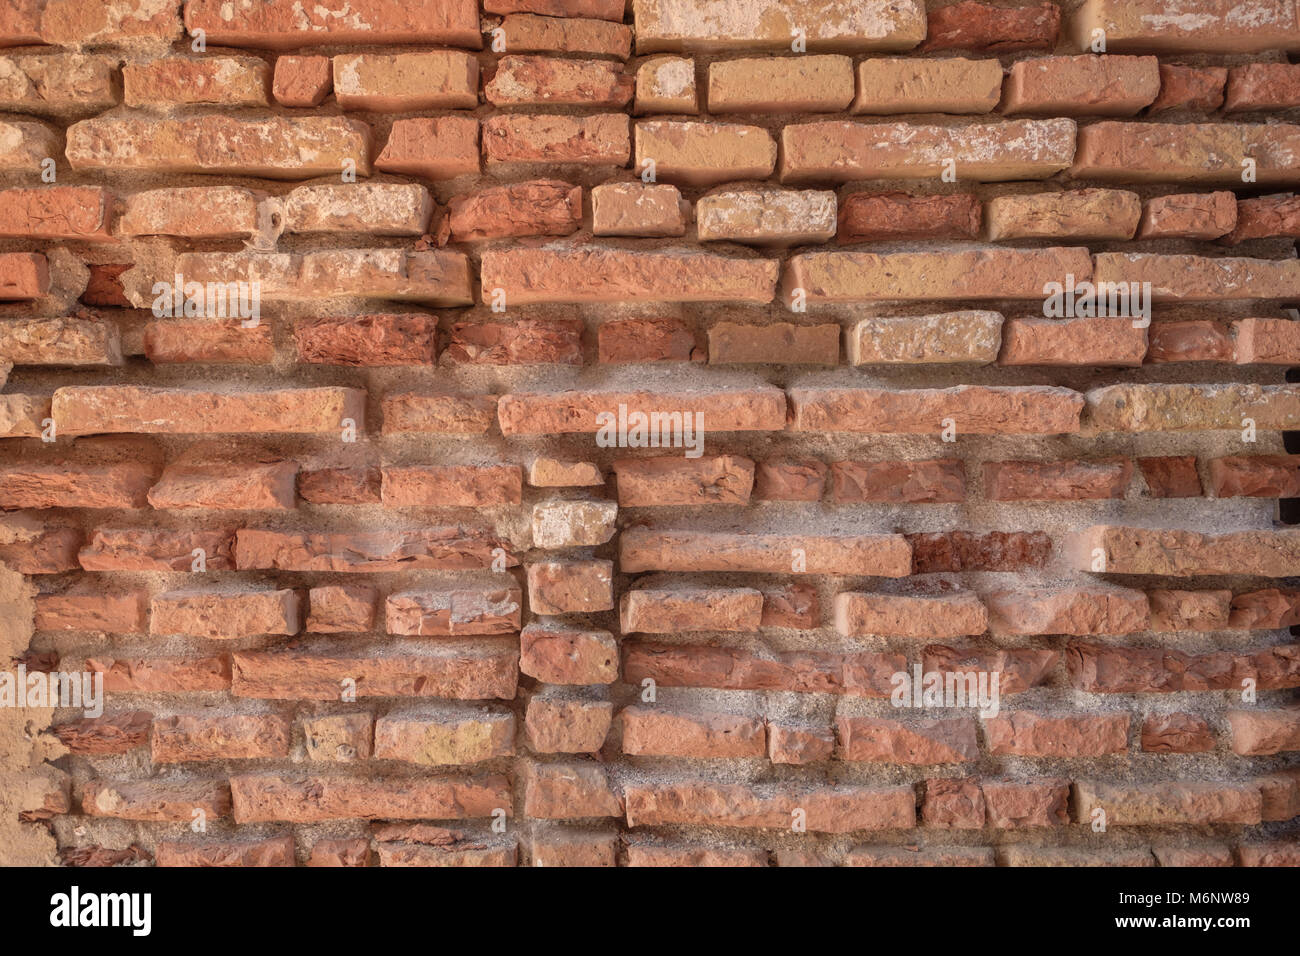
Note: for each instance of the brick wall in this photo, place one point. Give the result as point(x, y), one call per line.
point(367, 581)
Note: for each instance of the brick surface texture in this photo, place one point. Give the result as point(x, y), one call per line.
point(566, 432)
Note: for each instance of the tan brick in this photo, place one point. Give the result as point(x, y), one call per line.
point(1193, 803)
point(827, 809)
point(1180, 553)
point(1142, 407)
point(654, 732)
point(887, 86)
point(573, 524)
point(191, 212)
point(802, 84)
point(703, 154)
point(337, 738)
point(525, 33)
point(1200, 26)
point(878, 555)
point(753, 409)
point(1080, 214)
point(406, 82)
point(454, 739)
point(669, 610)
point(637, 209)
point(456, 612)
point(1064, 342)
point(61, 84)
point(382, 209)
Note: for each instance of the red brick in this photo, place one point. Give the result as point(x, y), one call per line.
point(981, 26)
point(367, 340)
point(339, 486)
point(208, 341)
point(451, 486)
point(598, 140)
point(113, 549)
point(714, 26)
point(77, 484)
point(307, 799)
point(456, 674)
point(1190, 87)
point(124, 611)
point(276, 851)
point(1079, 610)
point(664, 482)
point(567, 655)
point(549, 81)
point(1028, 734)
point(1188, 216)
point(774, 343)
point(23, 275)
point(870, 217)
point(557, 725)
point(1056, 480)
point(895, 482)
point(1015, 805)
point(1171, 477)
point(1255, 476)
point(569, 791)
point(953, 804)
point(652, 732)
point(441, 414)
point(115, 734)
point(760, 408)
point(445, 548)
point(646, 340)
point(1266, 217)
point(575, 848)
point(88, 409)
point(521, 342)
point(1189, 610)
point(302, 81)
point(647, 549)
point(197, 737)
point(1262, 86)
point(1263, 733)
point(668, 610)
point(225, 614)
point(162, 675)
point(454, 613)
point(827, 809)
point(156, 801)
point(1198, 340)
point(56, 212)
point(801, 479)
point(340, 608)
point(1020, 668)
point(790, 744)
point(1266, 609)
point(1081, 85)
point(725, 668)
point(340, 853)
point(1100, 669)
point(227, 486)
point(1187, 154)
point(1177, 733)
point(525, 33)
point(543, 207)
point(211, 80)
point(975, 410)
point(406, 82)
point(908, 615)
point(439, 148)
point(923, 741)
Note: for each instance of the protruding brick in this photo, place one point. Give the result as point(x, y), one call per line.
point(219, 614)
point(637, 209)
point(88, 409)
point(950, 337)
point(1185, 553)
point(406, 82)
point(766, 216)
point(1081, 85)
point(1187, 154)
point(904, 615)
point(279, 26)
point(888, 86)
point(1079, 214)
point(1188, 216)
point(442, 147)
point(703, 154)
point(877, 555)
point(544, 207)
point(803, 84)
point(598, 140)
point(564, 587)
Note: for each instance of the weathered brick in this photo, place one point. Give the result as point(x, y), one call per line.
point(975, 410)
point(56, 212)
point(1262, 86)
point(162, 675)
point(865, 217)
point(456, 612)
point(546, 472)
point(544, 207)
point(926, 741)
point(1188, 610)
point(827, 809)
point(191, 212)
point(837, 151)
point(441, 414)
point(1029, 734)
point(1176, 733)
point(61, 84)
point(526, 33)
point(1264, 732)
point(123, 549)
point(337, 738)
point(1258, 476)
point(520, 342)
point(766, 216)
point(984, 273)
point(637, 209)
point(556, 725)
point(1197, 340)
point(1056, 480)
point(211, 80)
point(86, 409)
point(123, 612)
point(445, 548)
point(382, 209)
point(550, 81)
point(569, 791)
point(156, 801)
point(598, 140)
point(1269, 608)
point(878, 555)
point(221, 614)
point(26, 275)
point(964, 337)
point(556, 654)
point(274, 147)
point(115, 734)
point(565, 587)
point(454, 739)
point(455, 674)
point(591, 274)
point(981, 26)
point(1168, 802)
point(1188, 216)
point(704, 154)
point(789, 480)
point(1191, 407)
point(208, 342)
point(280, 26)
point(669, 610)
point(666, 84)
point(647, 340)
point(230, 486)
point(912, 482)
point(790, 744)
point(1079, 214)
point(25, 145)
point(1200, 26)
point(1190, 87)
point(302, 81)
point(340, 486)
point(726, 668)
point(451, 486)
point(305, 799)
point(274, 851)
point(1126, 670)
point(665, 482)
point(340, 608)
point(198, 737)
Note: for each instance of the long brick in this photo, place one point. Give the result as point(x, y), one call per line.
point(56, 212)
point(454, 613)
point(1056, 480)
point(828, 809)
point(752, 409)
point(862, 674)
point(837, 151)
point(72, 484)
point(259, 798)
point(274, 148)
point(1176, 278)
point(58, 84)
point(943, 740)
point(1081, 85)
point(599, 140)
point(984, 273)
point(1187, 154)
point(385, 209)
point(974, 409)
point(591, 274)
point(450, 486)
point(849, 26)
point(198, 737)
point(454, 674)
point(672, 481)
point(406, 82)
point(442, 147)
point(878, 555)
point(669, 610)
point(910, 482)
point(1183, 553)
point(1264, 732)
point(1194, 803)
point(1194, 26)
point(549, 81)
point(123, 549)
point(1107, 669)
point(156, 801)
point(1148, 407)
point(444, 740)
point(280, 25)
point(1029, 734)
point(889, 85)
point(445, 548)
point(87, 409)
point(162, 675)
point(274, 851)
point(653, 732)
